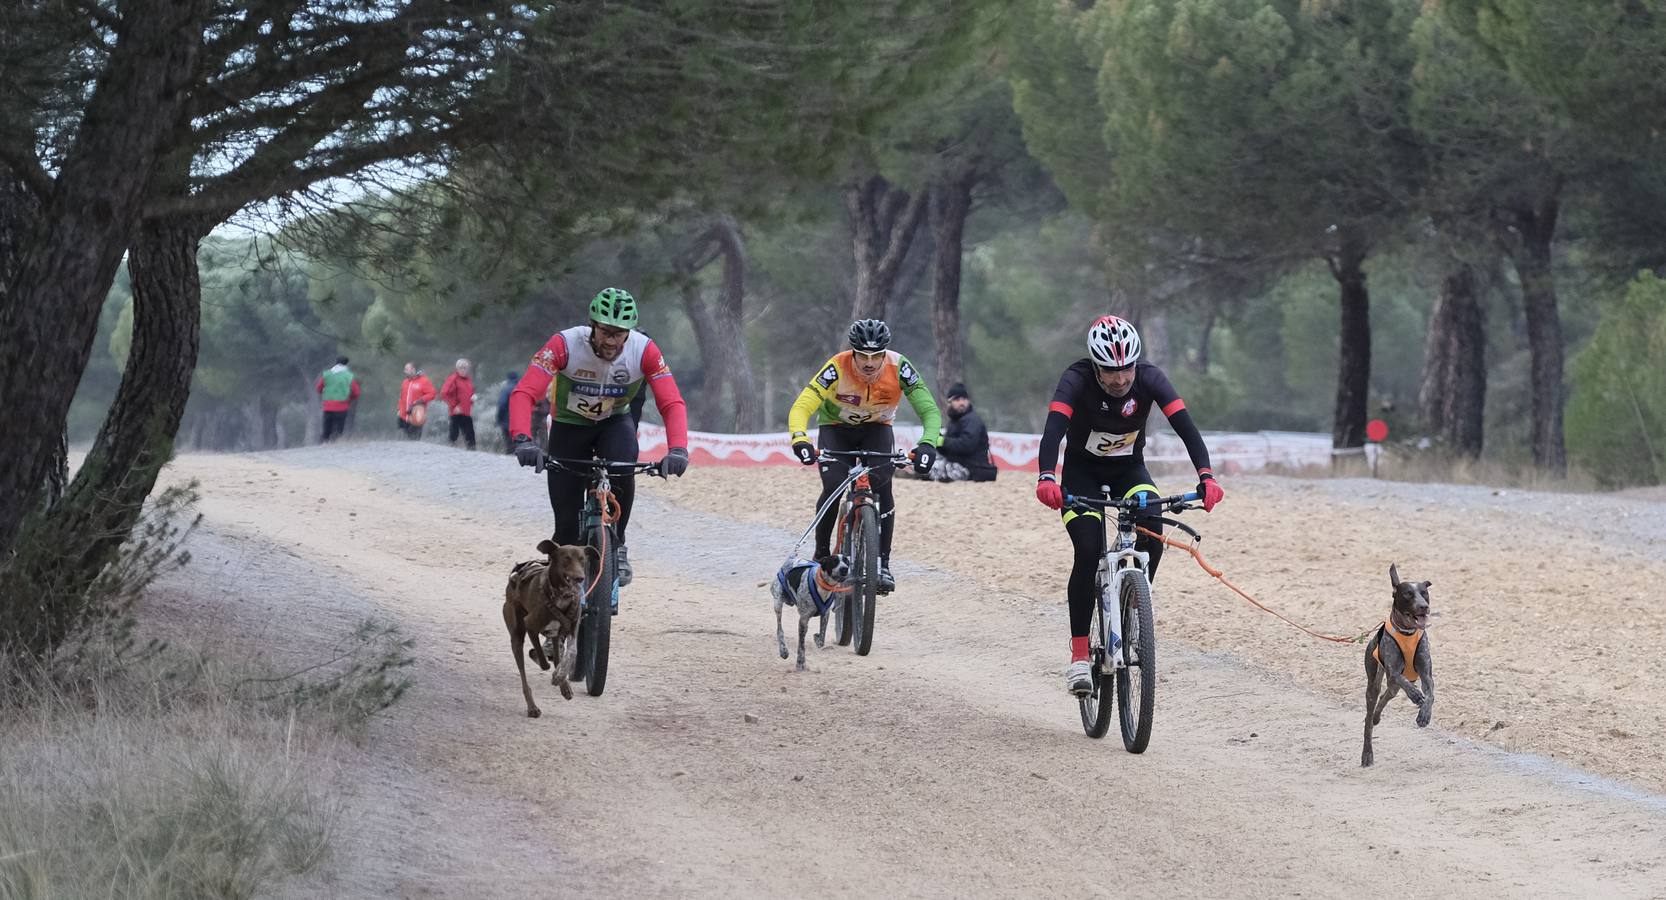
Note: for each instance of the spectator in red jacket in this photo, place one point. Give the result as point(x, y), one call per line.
point(458, 394)
point(414, 394)
point(340, 389)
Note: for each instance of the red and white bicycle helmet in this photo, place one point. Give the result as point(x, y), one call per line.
point(1113, 343)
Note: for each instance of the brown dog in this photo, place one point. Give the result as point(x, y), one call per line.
point(543, 595)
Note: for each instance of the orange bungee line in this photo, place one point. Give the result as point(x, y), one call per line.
point(1219, 576)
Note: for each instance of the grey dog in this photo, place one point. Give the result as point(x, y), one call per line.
point(1404, 632)
point(796, 583)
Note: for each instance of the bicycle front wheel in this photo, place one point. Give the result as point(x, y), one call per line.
point(844, 625)
point(866, 564)
point(1096, 706)
point(1136, 683)
point(595, 633)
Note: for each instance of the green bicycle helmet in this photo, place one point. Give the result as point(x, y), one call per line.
point(615, 307)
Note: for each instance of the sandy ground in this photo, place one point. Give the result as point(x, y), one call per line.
point(1549, 606)
point(950, 762)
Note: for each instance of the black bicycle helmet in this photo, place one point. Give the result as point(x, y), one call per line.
point(869, 335)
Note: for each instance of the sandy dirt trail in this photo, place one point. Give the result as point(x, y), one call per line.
point(948, 763)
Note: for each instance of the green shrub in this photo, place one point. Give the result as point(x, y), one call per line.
point(1616, 417)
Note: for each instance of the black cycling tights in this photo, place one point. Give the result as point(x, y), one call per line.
point(877, 438)
point(613, 439)
point(1087, 534)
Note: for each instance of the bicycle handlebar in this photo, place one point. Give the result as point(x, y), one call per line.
point(898, 459)
point(1136, 504)
point(593, 466)
point(1140, 504)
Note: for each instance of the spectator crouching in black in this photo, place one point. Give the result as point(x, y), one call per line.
point(963, 454)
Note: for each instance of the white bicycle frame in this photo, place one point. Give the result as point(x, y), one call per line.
point(1109, 578)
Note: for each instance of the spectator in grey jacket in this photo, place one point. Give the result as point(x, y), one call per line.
point(963, 454)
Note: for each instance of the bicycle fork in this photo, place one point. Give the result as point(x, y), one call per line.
point(1113, 567)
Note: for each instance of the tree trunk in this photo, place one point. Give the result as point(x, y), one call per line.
point(731, 327)
point(883, 219)
point(918, 262)
point(1210, 313)
point(49, 311)
point(703, 403)
point(951, 203)
point(102, 504)
point(1353, 376)
point(1453, 392)
point(1528, 235)
point(268, 408)
point(721, 333)
point(62, 553)
point(313, 431)
point(1154, 336)
point(19, 210)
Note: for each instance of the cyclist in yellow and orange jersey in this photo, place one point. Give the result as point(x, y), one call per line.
point(856, 395)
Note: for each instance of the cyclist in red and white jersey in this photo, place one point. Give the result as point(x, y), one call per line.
point(592, 374)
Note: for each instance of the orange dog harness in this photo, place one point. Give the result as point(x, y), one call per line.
point(1408, 647)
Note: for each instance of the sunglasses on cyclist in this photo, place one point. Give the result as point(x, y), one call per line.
point(870, 354)
point(1114, 370)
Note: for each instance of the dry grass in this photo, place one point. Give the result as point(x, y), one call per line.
point(179, 775)
point(1428, 467)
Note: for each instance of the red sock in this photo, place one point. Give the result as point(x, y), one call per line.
point(1078, 648)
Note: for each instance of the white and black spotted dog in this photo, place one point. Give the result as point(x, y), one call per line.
point(796, 583)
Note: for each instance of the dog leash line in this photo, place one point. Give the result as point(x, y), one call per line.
point(1221, 577)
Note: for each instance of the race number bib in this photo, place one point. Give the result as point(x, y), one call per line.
point(1101, 444)
point(596, 408)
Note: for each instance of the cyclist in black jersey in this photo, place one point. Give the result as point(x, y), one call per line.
point(1100, 409)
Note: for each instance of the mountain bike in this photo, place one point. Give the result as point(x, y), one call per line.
point(1123, 638)
point(600, 602)
point(858, 545)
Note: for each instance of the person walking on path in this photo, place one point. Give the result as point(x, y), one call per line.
point(458, 394)
point(414, 394)
point(340, 388)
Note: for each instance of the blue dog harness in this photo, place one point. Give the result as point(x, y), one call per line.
point(809, 581)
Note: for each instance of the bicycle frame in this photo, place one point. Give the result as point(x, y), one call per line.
point(858, 480)
point(1114, 566)
point(1121, 558)
point(592, 516)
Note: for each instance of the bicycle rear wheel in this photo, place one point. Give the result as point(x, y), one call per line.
point(866, 564)
point(1136, 683)
point(1097, 705)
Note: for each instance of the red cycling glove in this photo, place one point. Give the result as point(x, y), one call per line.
point(1047, 490)
point(1209, 489)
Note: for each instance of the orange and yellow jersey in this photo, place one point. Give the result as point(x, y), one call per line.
point(839, 396)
